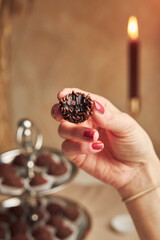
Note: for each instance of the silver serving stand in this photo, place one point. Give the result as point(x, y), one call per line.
point(30, 140)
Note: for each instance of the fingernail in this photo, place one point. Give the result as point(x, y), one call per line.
point(98, 107)
point(97, 145)
point(89, 134)
point(53, 111)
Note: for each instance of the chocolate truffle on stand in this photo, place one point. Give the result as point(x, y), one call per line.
point(71, 212)
point(20, 160)
point(76, 107)
point(57, 169)
point(44, 160)
point(42, 233)
point(63, 232)
point(37, 180)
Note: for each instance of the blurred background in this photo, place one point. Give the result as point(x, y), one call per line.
point(84, 44)
point(49, 45)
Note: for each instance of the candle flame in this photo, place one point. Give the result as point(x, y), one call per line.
point(133, 28)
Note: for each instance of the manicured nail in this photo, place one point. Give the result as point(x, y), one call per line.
point(89, 134)
point(53, 111)
point(99, 108)
point(97, 145)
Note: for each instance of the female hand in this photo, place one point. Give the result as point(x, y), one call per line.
point(110, 145)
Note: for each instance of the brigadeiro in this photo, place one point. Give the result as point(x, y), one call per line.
point(17, 211)
point(20, 160)
point(37, 180)
point(57, 169)
point(20, 236)
point(76, 107)
point(42, 233)
point(2, 232)
point(55, 221)
point(12, 181)
point(6, 169)
point(54, 208)
point(18, 227)
point(44, 160)
point(63, 232)
point(71, 212)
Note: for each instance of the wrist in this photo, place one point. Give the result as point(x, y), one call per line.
point(147, 175)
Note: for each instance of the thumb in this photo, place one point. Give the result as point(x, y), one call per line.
point(117, 122)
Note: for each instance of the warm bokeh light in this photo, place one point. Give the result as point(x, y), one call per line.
point(133, 28)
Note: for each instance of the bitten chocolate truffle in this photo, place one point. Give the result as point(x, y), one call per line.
point(57, 169)
point(20, 160)
point(76, 107)
point(44, 160)
point(63, 232)
point(37, 180)
point(71, 212)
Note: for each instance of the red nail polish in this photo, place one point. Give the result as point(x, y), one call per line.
point(89, 134)
point(97, 145)
point(99, 107)
point(53, 111)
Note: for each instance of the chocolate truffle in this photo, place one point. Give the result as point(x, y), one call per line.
point(63, 232)
point(6, 169)
point(44, 160)
point(20, 236)
point(42, 233)
point(57, 169)
point(2, 232)
point(20, 160)
point(17, 211)
point(55, 221)
point(18, 227)
point(12, 181)
point(76, 107)
point(71, 212)
point(37, 180)
point(54, 208)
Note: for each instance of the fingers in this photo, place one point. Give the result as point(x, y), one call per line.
point(77, 132)
point(105, 114)
point(117, 122)
point(55, 112)
point(94, 97)
point(72, 148)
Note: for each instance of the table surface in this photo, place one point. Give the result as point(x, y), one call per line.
point(102, 203)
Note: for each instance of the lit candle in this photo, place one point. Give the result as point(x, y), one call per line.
point(133, 63)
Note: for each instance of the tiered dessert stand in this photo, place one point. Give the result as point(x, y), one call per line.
point(29, 175)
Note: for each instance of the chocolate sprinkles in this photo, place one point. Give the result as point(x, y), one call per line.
point(76, 107)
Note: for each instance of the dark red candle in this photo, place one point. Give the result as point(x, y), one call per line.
point(133, 58)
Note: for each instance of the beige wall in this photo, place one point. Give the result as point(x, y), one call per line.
point(83, 43)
